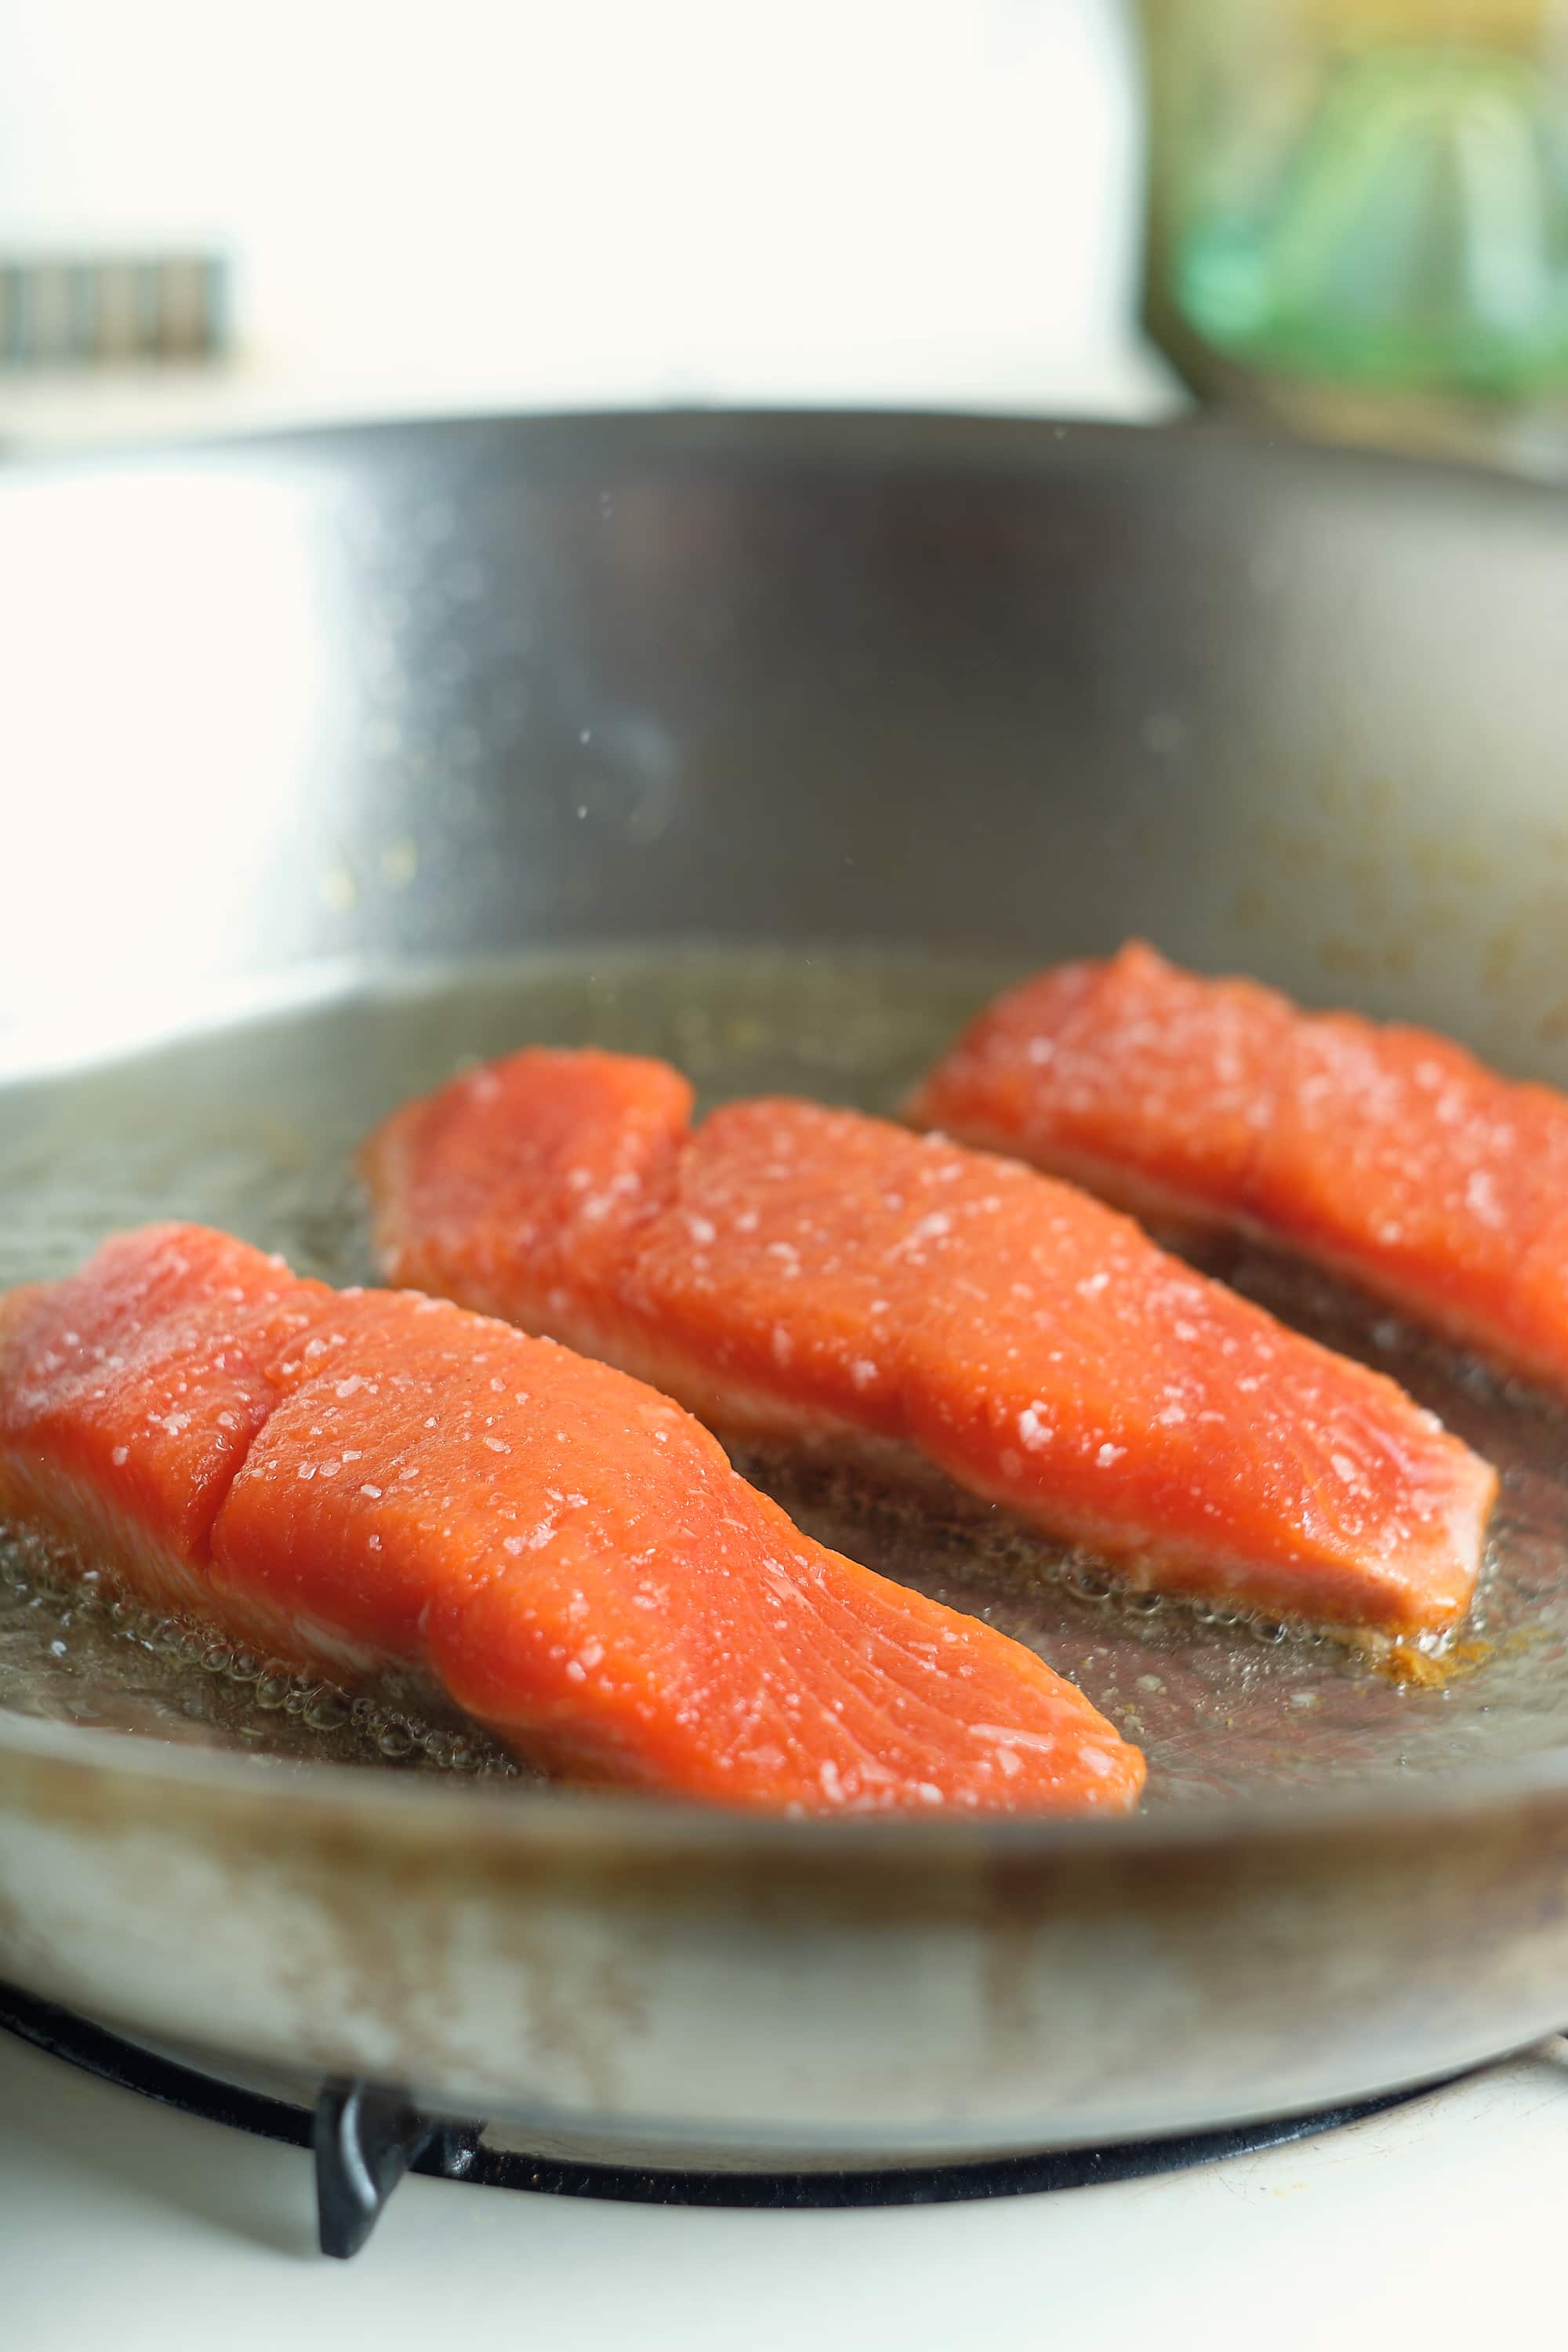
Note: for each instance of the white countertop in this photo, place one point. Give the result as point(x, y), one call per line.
point(1437, 2224)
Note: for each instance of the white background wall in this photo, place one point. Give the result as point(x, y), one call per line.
point(452, 201)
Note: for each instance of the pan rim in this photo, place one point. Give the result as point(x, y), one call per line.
point(784, 435)
point(594, 1824)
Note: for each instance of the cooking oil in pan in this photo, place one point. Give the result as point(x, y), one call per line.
point(254, 1130)
point(114, 1664)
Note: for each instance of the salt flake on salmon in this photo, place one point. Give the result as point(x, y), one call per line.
point(825, 1280)
point(381, 1484)
point(1383, 1151)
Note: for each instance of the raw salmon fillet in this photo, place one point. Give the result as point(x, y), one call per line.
point(1383, 1151)
point(821, 1279)
point(384, 1484)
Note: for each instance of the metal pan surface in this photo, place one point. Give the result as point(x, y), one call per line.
point(772, 744)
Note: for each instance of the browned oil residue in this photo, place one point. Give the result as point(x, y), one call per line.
point(1402, 1663)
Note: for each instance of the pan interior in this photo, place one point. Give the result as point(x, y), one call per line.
point(252, 1127)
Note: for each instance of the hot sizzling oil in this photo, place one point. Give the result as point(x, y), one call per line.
point(254, 1130)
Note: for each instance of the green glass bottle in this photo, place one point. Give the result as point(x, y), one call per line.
point(1360, 211)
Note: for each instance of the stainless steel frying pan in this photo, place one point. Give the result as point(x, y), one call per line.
point(770, 743)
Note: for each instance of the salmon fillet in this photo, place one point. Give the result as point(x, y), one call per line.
point(816, 1278)
point(379, 1482)
point(1382, 1152)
